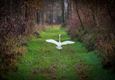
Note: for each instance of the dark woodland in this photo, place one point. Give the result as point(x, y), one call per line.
point(87, 22)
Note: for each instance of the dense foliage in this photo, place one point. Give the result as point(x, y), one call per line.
point(93, 23)
point(16, 23)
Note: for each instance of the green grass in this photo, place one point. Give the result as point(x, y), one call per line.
point(44, 62)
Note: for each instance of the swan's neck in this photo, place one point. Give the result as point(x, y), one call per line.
point(59, 37)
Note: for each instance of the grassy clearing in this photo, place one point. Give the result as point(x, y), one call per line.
point(44, 62)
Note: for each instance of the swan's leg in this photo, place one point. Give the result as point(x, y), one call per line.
point(60, 52)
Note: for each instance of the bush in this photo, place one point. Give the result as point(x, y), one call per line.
point(106, 44)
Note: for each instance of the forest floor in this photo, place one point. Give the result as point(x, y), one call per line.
point(43, 61)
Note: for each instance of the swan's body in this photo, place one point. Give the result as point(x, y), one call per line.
point(59, 44)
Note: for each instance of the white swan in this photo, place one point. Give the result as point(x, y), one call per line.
point(59, 44)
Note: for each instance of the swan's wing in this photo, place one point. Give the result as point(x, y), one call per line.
point(52, 41)
point(67, 42)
